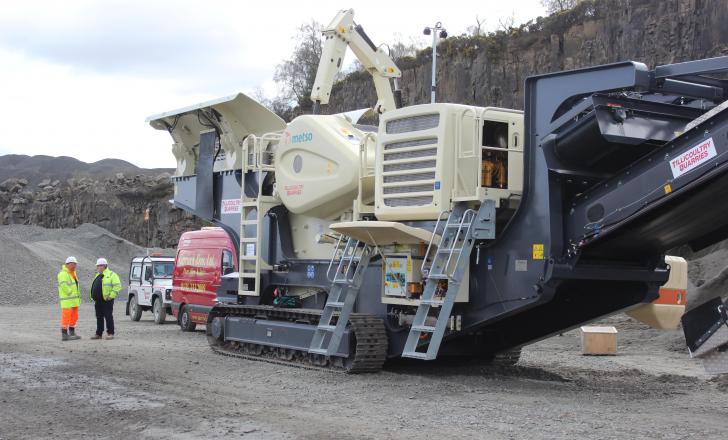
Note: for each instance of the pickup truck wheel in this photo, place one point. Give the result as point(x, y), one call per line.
point(135, 312)
point(185, 322)
point(160, 312)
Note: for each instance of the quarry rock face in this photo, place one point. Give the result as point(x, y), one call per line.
point(491, 70)
point(118, 204)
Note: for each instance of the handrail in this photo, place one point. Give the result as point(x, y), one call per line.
point(423, 269)
point(507, 150)
point(333, 258)
point(472, 214)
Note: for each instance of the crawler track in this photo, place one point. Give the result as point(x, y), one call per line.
point(369, 346)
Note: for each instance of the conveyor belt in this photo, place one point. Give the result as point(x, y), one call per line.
point(673, 196)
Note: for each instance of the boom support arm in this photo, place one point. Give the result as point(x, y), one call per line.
point(339, 34)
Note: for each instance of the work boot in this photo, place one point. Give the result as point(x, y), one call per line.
point(72, 334)
point(109, 336)
point(96, 337)
point(64, 334)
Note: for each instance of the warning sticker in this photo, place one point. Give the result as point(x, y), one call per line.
point(231, 206)
point(537, 251)
point(693, 158)
point(293, 190)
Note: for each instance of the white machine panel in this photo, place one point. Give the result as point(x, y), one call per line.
point(317, 165)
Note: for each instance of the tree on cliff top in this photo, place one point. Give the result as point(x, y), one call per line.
point(297, 74)
point(553, 6)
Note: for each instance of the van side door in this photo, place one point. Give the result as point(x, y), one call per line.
point(213, 277)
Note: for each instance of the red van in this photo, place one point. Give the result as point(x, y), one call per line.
point(202, 258)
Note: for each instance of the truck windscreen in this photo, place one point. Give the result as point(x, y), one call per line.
point(163, 270)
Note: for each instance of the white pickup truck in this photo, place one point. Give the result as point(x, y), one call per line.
point(150, 287)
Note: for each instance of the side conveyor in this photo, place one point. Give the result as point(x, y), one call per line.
point(671, 197)
point(622, 163)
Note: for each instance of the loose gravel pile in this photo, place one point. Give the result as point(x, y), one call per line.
point(707, 273)
point(31, 256)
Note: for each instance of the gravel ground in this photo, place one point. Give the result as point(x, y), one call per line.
point(31, 256)
point(158, 382)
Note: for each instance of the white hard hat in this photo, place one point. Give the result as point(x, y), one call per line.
point(102, 261)
point(71, 260)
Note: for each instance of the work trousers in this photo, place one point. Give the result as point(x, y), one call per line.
point(69, 317)
point(104, 311)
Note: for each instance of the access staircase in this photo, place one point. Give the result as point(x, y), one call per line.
point(349, 263)
point(258, 161)
point(444, 274)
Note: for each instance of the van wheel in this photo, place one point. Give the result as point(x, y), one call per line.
point(185, 322)
point(160, 312)
point(135, 312)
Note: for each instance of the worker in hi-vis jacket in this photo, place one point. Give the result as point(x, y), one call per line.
point(104, 289)
point(69, 296)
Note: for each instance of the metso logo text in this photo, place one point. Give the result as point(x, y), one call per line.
point(303, 137)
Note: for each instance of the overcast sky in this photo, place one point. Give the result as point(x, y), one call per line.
point(78, 78)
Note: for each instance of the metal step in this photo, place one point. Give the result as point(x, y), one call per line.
point(456, 225)
point(417, 355)
point(448, 251)
point(432, 302)
point(351, 258)
point(424, 328)
point(342, 281)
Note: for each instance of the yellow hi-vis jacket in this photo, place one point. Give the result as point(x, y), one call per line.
point(69, 293)
point(110, 285)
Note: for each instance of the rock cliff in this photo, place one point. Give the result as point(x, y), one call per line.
point(135, 207)
point(490, 70)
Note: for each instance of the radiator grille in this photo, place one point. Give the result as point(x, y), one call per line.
point(409, 166)
point(417, 177)
point(430, 175)
point(413, 143)
point(407, 189)
point(408, 201)
point(428, 152)
point(413, 123)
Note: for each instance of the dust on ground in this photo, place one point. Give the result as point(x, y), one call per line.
point(158, 382)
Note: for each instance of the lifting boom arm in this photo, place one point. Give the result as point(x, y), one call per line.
point(343, 32)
